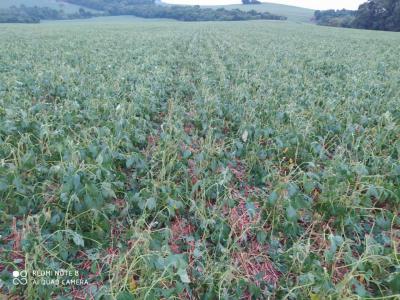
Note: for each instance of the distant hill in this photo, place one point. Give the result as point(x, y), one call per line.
point(293, 13)
point(54, 4)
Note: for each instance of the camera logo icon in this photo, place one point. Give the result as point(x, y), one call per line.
point(20, 277)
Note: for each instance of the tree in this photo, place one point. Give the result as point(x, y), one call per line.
point(139, 8)
point(379, 15)
point(373, 14)
point(246, 2)
point(336, 18)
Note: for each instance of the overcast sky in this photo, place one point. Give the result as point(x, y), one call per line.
point(315, 4)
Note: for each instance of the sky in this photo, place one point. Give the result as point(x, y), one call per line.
point(314, 4)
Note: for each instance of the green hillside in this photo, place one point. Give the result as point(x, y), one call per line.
point(293, 13)
point(55, 4)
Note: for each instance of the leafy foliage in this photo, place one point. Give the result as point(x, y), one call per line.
point(212, 160)
point(379, 15)
point(24, 14)
point(245, 2)
point(138, 8)
point(193, 13)
point(147, 9)
point(373, 14)
point(335, 18)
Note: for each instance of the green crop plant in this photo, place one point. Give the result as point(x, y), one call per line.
point(161, 160)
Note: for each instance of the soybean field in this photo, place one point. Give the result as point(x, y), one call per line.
point(169, 160)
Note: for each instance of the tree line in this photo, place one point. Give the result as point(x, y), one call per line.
point(336, 18)
point(373, 14)
point(25, 14)
point(148, 9)
point(246, 2)
point(138, 8)
point(192, 13)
